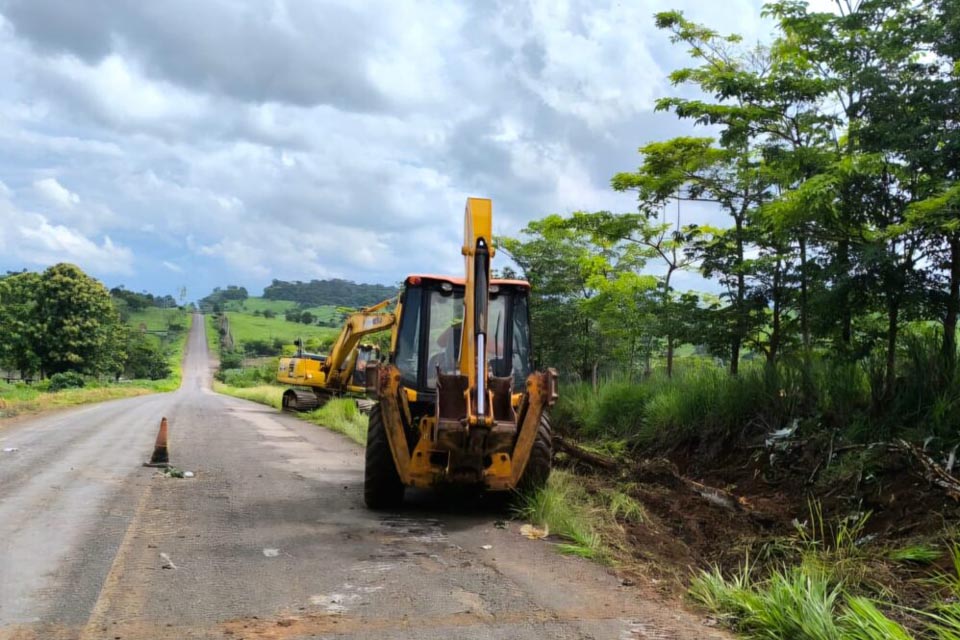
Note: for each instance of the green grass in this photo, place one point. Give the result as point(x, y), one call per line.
point(28, 399)
point(259, 304)
point(245, 327)
point(210, 327)
point(340, 415)
point(250, 305)
point(822, 596)
point(916, 554)
point(267, 394)
point(154, 319)
point(565, 507)
point(800, 602)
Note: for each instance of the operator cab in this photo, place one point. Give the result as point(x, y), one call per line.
point(430, 324)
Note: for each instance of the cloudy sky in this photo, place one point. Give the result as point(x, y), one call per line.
point(159, 144)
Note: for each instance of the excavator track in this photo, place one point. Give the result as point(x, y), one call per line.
point(299, 400)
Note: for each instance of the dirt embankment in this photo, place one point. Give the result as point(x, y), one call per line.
point(707, 505)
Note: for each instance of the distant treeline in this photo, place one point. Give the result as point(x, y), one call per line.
point(215, 300)
point(137, 301)
point(341, 293)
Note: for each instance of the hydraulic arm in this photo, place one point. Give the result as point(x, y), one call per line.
point(340, 371)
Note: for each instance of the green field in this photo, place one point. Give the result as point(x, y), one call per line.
point(259, 304)
point(246, 327)
point(154, 319)
point(279, 307)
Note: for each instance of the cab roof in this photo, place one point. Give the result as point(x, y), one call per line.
point(460, 281)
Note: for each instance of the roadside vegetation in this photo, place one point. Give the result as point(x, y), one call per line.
point(66, 340)
point(790, 439)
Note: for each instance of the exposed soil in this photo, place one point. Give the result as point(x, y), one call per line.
point(774, 489)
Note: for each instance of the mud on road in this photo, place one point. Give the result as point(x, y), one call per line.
point(270, 539)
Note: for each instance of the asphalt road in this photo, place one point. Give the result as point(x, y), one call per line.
point(269, 540)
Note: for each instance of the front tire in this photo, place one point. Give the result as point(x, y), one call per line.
point(541, 458)
point(382, 488)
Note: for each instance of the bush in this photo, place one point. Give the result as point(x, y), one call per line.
point(146, 360)
point(259, 348)
point(67, 380)
point(249, 376)
point(231, 360)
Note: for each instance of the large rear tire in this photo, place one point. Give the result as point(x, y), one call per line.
point(382, 488)
point(541, 458)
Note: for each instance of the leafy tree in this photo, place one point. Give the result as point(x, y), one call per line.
point(654, 240)
point(697, 169)
point(145, 359)
point(20, 330)
point(577, 277)
point(77, 321)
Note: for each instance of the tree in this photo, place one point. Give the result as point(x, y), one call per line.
point(78, 322)
point(654, 239)
point(589, 299)
point(20, 330)
point(697, 169)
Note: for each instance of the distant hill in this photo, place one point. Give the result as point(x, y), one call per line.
point(341, 293)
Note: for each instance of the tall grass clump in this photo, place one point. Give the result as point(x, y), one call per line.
point(618, 411)
point(564, 506)
point(249, 376)
point(801, 602)
point(694, 402)
point(574, 407)
point(819, 597)
point(268, 394)
point(343, 416)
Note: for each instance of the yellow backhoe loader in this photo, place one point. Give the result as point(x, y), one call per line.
point(457, 402)
point(349, 370)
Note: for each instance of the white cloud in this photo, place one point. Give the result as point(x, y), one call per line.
point(296, 140)
point(32, 239)
point(55, 193)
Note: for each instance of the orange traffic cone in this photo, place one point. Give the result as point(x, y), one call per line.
point(160, 456)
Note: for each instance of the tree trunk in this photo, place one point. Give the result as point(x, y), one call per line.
point(846, 317)
point(741, 296)
point(772, 352)
point(804, 318)
point(669, 355)
point(668, 304)
point(735, 356)
point(953, 302)
point(893, 325)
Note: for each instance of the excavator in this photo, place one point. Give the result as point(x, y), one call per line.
point(346, 370)
point(457, 402)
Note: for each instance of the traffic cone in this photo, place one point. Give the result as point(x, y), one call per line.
point(160, 456)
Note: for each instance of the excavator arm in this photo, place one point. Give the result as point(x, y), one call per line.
point(362, 323)
point(331, 375)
